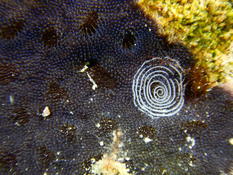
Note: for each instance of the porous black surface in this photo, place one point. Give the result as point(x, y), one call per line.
point(43, 47)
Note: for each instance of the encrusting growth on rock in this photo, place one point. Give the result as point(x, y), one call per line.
point(111, 162)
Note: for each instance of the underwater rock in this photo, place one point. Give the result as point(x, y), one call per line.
point(67, 107)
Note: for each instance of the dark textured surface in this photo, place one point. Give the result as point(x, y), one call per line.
point(43, 47)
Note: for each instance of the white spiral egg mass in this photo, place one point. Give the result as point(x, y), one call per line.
point(158, 89)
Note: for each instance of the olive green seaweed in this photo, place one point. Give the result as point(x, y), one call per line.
point(204, 27)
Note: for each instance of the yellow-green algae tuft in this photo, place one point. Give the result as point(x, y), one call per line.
point(205, 27)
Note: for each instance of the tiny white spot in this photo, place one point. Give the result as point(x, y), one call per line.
point(11, 99)
point(121, 159)
point(143, 168)
point(84, 69)
point(46, 112)
point(101, 143)
point(231, 141)
point(191, 142)
point(191, 164)
point(127, 158)
point(97, 125)
point(94, 85)
point(147, 140)
point(17, 124)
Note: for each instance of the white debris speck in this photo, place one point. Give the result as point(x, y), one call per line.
point(94, 85)
point(17, 124)
point(46, 112)
point(84, 69)
point(143, 168)
point(97, 125)
point(101, 143)
point(191, 141)
point(147, 140)
point(59, 152)
point(71, 112)
point(231, 141)
point(127, 158)
point(164, 172)
point(191, 164)
point(11, 99)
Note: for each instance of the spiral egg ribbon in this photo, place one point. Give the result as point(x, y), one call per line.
point(158, 89)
